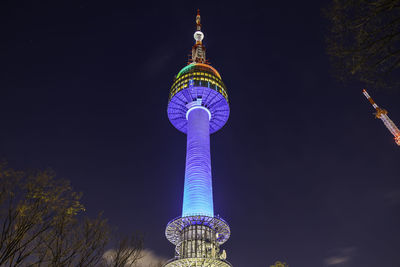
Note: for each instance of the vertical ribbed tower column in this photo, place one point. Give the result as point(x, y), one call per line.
point(198, 106)
point(197, 195)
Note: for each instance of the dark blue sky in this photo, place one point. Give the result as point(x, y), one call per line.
point(302, 171)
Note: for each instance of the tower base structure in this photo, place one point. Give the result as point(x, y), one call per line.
point(197, 240)
point(197, 262)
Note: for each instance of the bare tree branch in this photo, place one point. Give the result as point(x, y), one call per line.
point(364, 40)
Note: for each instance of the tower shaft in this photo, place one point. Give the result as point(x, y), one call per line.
point(197, 196)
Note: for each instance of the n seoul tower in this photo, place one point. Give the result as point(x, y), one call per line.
point(198, 106)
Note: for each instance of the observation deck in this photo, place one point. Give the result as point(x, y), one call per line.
point(198, 82)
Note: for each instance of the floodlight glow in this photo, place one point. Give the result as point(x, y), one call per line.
point(198, 36)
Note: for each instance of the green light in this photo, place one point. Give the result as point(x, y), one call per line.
point(197, 64)
point(185, 68)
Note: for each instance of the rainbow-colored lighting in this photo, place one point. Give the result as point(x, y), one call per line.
point(185, 69)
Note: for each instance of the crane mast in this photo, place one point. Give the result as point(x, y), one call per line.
point(382, 115)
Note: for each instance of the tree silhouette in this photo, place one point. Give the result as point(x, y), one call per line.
point(42, 225)
point(364, 41)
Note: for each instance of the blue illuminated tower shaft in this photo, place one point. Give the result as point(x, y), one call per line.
point(197, 196)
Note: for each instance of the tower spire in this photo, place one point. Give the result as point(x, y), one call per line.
point(198, 20)
point(198, 49)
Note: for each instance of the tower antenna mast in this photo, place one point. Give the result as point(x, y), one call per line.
point(382, 115)
point(198, 49)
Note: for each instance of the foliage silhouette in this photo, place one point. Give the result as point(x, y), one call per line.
point(42, 224)
point(364, 41)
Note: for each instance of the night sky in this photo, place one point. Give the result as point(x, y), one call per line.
point(302, 171)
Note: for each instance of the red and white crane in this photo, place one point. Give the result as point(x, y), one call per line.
point(382, 114)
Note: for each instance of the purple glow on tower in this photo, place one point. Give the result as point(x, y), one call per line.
point(197, 196)
point(198, 106)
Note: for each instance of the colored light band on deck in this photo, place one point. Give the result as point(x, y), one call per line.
point(198, 64)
